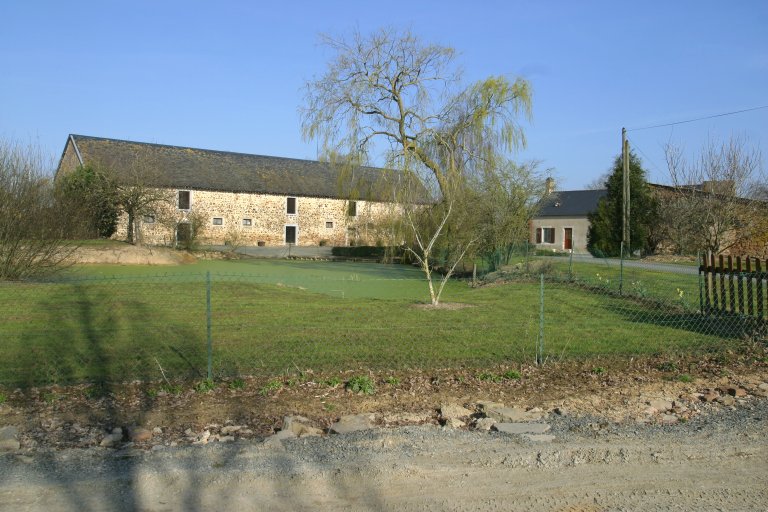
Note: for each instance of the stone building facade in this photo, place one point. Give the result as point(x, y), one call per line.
point(238, 199)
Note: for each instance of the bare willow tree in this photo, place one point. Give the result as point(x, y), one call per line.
point(392, 94)
point(709, 207)
point(33, 227)
point(393, 99)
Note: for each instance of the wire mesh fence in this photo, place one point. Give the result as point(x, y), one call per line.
point(195, 326)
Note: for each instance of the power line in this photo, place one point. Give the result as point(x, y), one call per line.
point(697, 119)
point(632, 144)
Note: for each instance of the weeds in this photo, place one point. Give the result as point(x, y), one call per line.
point(205, 385)
point(494, 377)
point(269, 387)
point(598, 370)
point(333, 382)
point(361, 384)
point(685, 378)
point(392, 381)
point(237, 384)
point(3, 398)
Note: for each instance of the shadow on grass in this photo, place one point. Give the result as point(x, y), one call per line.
point(104, 334)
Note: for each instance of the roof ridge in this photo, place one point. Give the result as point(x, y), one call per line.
point(217, 151)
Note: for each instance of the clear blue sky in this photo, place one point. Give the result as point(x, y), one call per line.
point(228, 75)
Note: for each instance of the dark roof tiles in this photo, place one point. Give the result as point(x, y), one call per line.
point(570, 203)
point(202, 169)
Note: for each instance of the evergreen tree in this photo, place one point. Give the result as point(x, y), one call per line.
point(605, 223)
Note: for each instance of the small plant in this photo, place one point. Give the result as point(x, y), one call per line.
point(333, 382)
point(152, 393)
point(361, 384)
point(511, 375)
point(392, 381)
point(598, 370)
point(94, 392)
point(329, 407)
point(269, 387)
point(50, 397)
point(667, 366)
point(205, 385)
point(171, 389)
point(685, 378)
point(489, 377)
point(3, 398)
point(237, 384)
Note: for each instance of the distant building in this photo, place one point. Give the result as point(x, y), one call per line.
point(240, 198)
point(561, 224)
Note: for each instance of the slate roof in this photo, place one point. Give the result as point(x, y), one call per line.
point(570, 203)
point(203, 169)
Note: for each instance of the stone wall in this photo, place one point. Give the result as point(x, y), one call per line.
point(247, 219)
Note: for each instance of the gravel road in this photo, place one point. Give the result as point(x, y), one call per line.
point(717, 461)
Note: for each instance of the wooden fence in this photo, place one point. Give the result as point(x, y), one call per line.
point(739, 289)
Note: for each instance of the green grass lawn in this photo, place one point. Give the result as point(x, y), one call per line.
point(268, 316)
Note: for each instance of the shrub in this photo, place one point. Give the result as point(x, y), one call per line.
point(361, 384)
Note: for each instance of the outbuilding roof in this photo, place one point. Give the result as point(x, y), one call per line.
point(570, 203)
point(204, 169)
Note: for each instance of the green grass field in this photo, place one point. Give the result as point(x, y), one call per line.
point(268, 316)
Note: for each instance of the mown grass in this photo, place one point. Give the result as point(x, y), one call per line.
point(323, 316)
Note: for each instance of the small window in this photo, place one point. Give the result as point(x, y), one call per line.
point(183, 199)
point(247, 222)
point(149, 218)
point(329, 225)
point(218, 221)
point(548, 235)
point(290, 206)
point(352, 209)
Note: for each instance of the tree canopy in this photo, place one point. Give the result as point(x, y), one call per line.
point(604, 236)
point(390, 95)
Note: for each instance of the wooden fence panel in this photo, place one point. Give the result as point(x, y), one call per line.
point(738, 289)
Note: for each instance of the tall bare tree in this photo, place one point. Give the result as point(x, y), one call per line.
point(393, 99)
point(394, 96)
point(709, 204)
point(33, 227)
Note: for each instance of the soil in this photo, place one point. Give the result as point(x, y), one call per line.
point(127, 254)
point(609, 451)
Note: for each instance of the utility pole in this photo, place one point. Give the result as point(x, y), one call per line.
point(625, 211)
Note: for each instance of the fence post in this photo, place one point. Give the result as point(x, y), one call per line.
point(570, 266)
point(527, 254)
point(621, 269)
point(208, 323)
point(702, 269)
point(540, 341)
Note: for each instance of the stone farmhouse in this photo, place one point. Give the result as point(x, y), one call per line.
point(240, 199)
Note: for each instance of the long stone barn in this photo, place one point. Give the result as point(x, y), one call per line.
point(240, 199)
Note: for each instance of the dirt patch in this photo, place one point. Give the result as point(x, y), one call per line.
point(126, 254)
point(444, 305)
point(617, 391)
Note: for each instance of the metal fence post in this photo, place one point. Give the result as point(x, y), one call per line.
point(540, 341)
point(570, 266)
point(621, 269)
point(208, 323)
point(527, 253)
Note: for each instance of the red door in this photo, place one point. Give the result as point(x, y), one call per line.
point(568, 239)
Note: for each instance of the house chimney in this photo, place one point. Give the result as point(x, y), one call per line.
point(549, 185)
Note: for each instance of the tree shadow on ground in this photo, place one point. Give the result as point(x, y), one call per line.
point(89, 333)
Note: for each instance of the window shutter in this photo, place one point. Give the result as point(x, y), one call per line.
point(538, 235)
